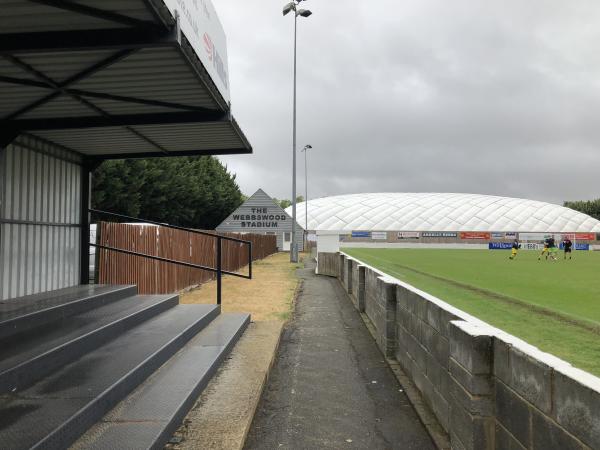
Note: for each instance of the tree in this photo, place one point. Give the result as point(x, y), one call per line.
point(589, 207)
point(193, 191)
point(285, 203)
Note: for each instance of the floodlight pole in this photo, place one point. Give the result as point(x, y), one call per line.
point(293, 6)
point(294, 249)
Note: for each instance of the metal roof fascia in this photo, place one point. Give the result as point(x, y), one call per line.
point(215, 152)
point(81, 40)
point(99, 121)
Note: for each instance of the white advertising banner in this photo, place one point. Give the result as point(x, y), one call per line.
point(201, 26)
point(379, 235)
point(531, 246)
point(408, 235)
point(537, 236)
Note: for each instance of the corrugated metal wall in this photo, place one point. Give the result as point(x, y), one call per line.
point(40, 195)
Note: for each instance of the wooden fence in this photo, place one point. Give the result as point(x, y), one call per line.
point(157, 277)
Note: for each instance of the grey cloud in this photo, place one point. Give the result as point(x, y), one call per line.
point(421, 95)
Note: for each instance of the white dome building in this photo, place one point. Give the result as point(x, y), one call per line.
point(422, 212)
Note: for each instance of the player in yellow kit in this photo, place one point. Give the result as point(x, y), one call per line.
point(545, 250)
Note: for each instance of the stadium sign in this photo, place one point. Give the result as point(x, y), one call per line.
point(498, 236)
point(439, 234)
point(408, 235)
point(202, 28)
point(259, 218)
point(379, 235)
point(510, 235)
point(361, 234)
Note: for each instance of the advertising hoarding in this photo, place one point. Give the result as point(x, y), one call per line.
point(202, 28)
point(536, 236)
point(408, 235)
point(475, 235)
point(379, 235)
point(361, 234)
point(439, 234)
point(500, 245)
point(531, 246)
point(498, 236)
point(577, 246)
point(585, 236)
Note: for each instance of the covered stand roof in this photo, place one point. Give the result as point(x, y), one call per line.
point(117, 78)
point(442, 212)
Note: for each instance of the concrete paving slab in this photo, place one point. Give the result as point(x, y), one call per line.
point(331, 387)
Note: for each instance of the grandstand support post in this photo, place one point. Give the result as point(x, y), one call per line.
point(84, 221)
point(219, 272)
point(250, 260)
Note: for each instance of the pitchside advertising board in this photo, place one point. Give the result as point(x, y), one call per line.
point(408, 235)
point(202, 28)
point(379, 235)
point(439, 234)
point(531, 246)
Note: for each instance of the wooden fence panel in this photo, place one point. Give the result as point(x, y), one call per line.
point(157, 277)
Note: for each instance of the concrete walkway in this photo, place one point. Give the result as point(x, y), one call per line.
point(330, 387)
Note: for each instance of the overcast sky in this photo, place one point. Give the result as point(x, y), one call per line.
point(490, 97)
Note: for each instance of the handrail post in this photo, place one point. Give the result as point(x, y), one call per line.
point(250, 259)
point(219, 273)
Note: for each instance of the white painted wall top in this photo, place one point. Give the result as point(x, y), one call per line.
point(201, 26)
point(441, 212)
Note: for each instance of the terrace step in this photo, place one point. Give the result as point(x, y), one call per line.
point(29, 357)
point(23, 314)
point(57, 410)
point(149, 416)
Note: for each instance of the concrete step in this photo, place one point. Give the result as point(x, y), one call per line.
point(55, 411)
point(29, 357)
point(148, 417)
point(23, 314)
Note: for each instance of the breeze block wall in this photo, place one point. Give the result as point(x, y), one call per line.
point(358, 285)
point(488, 389)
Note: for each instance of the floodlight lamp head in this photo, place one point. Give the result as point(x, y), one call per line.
point(289, 7)
point(303, 12)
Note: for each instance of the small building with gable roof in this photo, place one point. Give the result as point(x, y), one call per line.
point(261, 214)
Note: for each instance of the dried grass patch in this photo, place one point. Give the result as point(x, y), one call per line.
point(268, 296)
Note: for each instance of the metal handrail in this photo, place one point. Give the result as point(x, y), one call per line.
point(218, 270)
point(168, 260)
point(175, 227)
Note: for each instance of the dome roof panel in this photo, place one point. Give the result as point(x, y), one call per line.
point(441, 212)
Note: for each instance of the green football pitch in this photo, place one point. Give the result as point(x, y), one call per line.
point(554, 305)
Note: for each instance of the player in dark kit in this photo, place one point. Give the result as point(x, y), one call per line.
point(515, 248)
point(549, 248)
point(568, 247)
point(552, 247)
